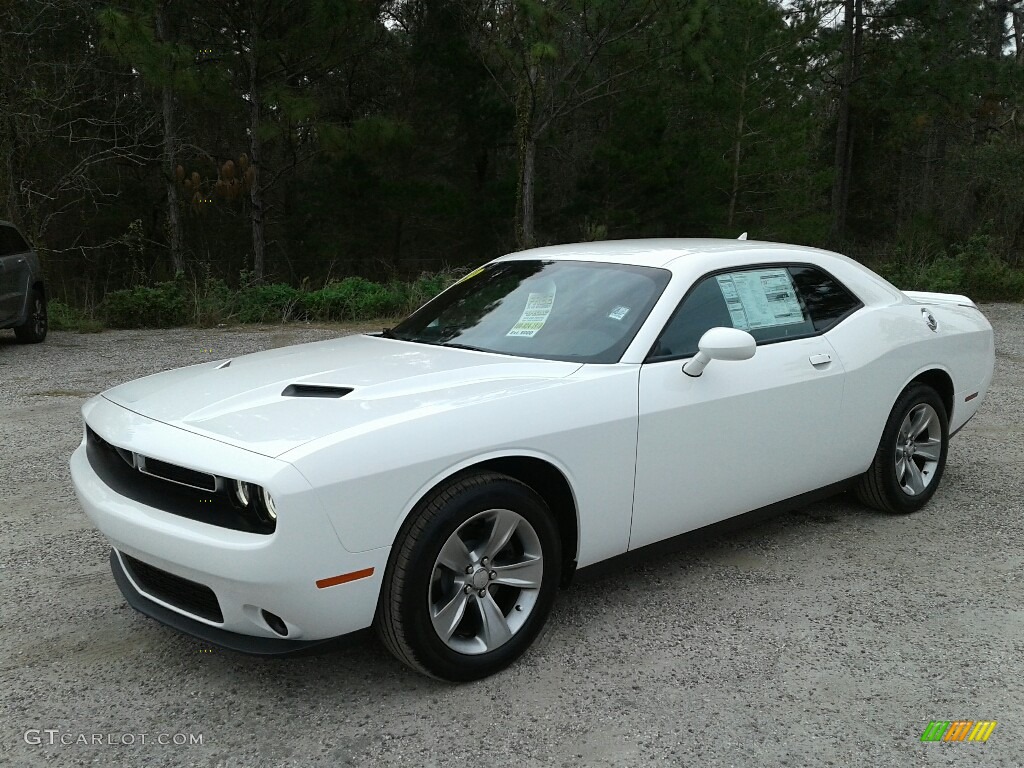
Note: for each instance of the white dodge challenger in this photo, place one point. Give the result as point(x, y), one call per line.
point(556, 407)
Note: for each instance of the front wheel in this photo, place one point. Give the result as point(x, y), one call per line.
point(911, 455)
point(472, 578)
point(33, 330)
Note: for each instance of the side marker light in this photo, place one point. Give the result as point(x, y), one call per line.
point(344, 578)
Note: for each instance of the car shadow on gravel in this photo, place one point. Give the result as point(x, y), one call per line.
point(742, 545)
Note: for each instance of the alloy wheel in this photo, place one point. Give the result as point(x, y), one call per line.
point(918, 449)
point(39, 317)
point(486, 581)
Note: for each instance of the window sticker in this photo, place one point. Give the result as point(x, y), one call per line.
point(618, 313)
point(761, 299)
point(538, 307)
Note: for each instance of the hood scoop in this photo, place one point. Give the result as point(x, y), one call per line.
point(314, 390)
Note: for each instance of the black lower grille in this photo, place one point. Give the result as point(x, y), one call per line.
point(184, 594)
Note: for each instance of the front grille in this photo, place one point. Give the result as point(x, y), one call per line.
point(202, 481)
point(174, 590)
point(170, 488)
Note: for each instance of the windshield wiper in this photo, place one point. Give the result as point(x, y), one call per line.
point(455, 345)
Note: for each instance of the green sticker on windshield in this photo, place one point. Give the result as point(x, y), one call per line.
point(538, 307)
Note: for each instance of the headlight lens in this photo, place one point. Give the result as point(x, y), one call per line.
point(242, 493)
point(268, 503)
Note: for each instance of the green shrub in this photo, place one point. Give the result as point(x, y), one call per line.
point(356, 298)
point(267, 303)
point(985, 275)
point(972, 269)
point(207, 301)
point(62, 317)
point(161, 306)
point(428, 285)
point(213, 301)
point(994, 280)
point(943, 275)
point(66, 318)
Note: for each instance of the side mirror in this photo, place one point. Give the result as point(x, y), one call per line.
point(720, 344)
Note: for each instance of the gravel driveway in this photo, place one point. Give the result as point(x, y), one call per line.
point(830, 636)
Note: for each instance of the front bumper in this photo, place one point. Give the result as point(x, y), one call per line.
point(244, 576)
point(233, 641)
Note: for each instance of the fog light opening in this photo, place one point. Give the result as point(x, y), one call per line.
point(275, 623)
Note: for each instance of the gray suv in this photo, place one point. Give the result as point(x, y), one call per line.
point(22, 293)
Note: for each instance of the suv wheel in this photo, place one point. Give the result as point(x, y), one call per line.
point(33, 330)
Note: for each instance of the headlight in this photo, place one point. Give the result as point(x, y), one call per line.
point(256, 499)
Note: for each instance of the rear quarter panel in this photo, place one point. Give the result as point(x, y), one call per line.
point(884, 348)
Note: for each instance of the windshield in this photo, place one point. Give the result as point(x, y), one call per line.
point(556, 310)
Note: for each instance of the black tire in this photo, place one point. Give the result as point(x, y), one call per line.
point(36, 324)
point(416, 582)
point(883, 486)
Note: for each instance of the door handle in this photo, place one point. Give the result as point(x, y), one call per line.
point(820, 359)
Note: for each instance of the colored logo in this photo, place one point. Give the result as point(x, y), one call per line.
point(958, 730)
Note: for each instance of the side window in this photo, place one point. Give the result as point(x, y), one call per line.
point(827, 300)
point(11, 242)
point(762, 301)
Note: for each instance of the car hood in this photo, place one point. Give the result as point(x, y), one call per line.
point(271, 402)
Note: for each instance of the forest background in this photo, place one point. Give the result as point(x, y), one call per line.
point(182, 161)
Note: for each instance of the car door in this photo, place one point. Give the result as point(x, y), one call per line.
point(7, 310)
point(14, 268)
point(5, 313)
point(743, 434)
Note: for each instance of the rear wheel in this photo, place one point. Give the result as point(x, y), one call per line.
point(33, 330)
point(472, 579)
point(911, 455)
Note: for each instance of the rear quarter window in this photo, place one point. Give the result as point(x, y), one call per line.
point(826, 299)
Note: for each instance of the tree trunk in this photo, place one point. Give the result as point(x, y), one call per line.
point(737, 149)
point(998, 11)
point(843, 163)
point(9, 141)
point(170, 153)
point(525, 228)
point(526, 141)
point(1018, 34)
point(256, 208)
point(256, 192)
point(736, 156)
point(173, 208)
point(904, 207)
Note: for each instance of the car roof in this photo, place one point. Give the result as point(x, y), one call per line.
point(693, 257)
point(658, 252)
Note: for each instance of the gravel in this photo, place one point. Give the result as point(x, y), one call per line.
point(829, 636)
